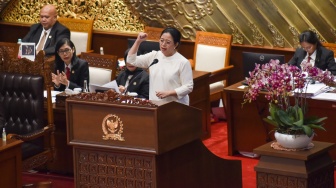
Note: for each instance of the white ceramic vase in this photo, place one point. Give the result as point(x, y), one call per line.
point(293, 141)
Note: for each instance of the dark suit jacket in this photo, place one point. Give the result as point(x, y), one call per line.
point(324, 59)
point(58, 31)
point(139, 83)
point(79, 73)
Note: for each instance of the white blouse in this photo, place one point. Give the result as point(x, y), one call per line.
point(170, 73)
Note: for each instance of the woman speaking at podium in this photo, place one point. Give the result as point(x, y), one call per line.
point(170, 74)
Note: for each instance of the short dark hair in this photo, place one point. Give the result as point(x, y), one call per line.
point(176, 34)
point(309, 37)
point(59, 44)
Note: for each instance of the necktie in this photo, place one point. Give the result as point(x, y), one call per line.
point(309, 59)
point(127, 81)
point(67, 72)
point(41, 44)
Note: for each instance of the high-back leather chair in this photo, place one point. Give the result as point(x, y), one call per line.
point(22, 86)
point(212, 54)
point(81, 33)
point(102, 68)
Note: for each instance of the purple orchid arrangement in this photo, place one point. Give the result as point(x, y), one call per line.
point(279, 82)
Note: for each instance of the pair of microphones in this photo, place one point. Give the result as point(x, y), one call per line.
point(155, 61)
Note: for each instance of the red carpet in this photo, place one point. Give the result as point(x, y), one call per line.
point(217, 144)
point(58, 181)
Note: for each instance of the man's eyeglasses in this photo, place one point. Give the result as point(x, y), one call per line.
point(66, 51)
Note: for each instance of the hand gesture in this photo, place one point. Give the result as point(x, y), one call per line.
point(142, 36)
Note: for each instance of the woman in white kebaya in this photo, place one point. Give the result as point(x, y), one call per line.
point(170, 73)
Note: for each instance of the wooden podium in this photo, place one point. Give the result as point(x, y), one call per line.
point(127, 145)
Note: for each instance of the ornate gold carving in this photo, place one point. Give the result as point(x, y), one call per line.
point(191, 16)
point(112, 128)
point(237, 36)
point(258, 39)
point(295, 34)
point(108, 14)
point(278, 39)
point(317, 34)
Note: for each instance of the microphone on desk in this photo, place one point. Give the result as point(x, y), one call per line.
point(155, 61)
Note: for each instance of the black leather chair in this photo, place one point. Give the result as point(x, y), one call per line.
point(22, 85)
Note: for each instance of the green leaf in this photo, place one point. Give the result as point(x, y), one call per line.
point(308, 130)
point(270, 121)
point(284, 117)
point(300, 120)
point(314, 126)
point(314, 120)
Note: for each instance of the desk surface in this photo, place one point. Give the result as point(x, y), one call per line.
point(319, 147)
point(8, 144)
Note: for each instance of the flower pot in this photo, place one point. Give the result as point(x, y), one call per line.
point(293, 141)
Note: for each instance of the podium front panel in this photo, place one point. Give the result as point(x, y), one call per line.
point(129, 127)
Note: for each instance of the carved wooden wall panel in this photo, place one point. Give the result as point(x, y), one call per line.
point(251, 22)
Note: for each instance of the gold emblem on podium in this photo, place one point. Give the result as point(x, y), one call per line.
point(112, 128)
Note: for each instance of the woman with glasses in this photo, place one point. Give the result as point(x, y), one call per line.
point(70, 71)
point(170, 74)
point(312, 51)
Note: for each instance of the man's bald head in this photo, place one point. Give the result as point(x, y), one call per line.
point(48, 16)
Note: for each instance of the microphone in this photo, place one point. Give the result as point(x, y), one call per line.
point(155, 61)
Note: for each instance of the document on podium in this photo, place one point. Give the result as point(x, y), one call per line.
point(111, 85)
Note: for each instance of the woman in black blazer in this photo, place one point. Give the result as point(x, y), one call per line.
point(70, 71)
point(312, 50)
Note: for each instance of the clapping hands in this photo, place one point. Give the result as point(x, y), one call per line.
point(59, 78)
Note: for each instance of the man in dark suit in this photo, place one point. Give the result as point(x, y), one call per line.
point(48, 28)
point(312, 50)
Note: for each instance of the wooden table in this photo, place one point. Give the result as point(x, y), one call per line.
point(63, 162)
point(247, 130)
point(308, 168)
point(11, 163)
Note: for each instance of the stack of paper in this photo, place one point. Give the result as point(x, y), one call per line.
point(111, 85)
point(326, 96)
point(312, 90)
